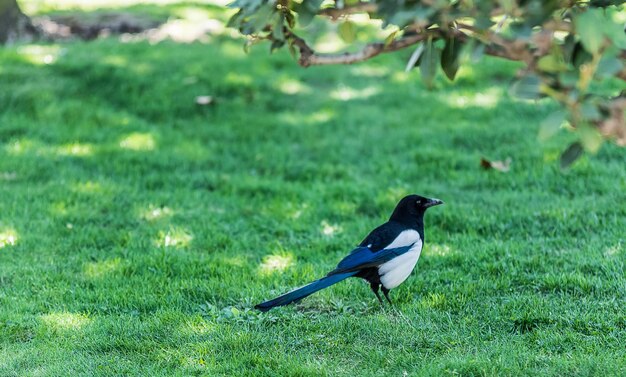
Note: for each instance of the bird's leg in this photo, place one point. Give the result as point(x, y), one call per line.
point(375, 288)
point(395, 308)
point(386, 293)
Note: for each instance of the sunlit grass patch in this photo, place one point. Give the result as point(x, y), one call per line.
point(614, 250)
point(197, 325)
point(399, 76)
point(298, 119)
point(487, 99)
point(276, 263)
point(75, 149)
point(88, 187)
point(29, 146)
point(115, 60)
point(438, 249)
point(434, 300)
point(153, 213)
point(174, 237)
point(329, 230)
point(370, 71)
point(102, 268)
point(238, 79)
point(8, 237)
point(291, 86)
point(65, 321)
point(138, 142)
point(40, 54)
point(58, 208)
point(21, 146)
point(344, 93)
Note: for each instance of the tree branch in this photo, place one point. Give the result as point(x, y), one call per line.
point(371, 7)
point(309, 57)
point(501, 47)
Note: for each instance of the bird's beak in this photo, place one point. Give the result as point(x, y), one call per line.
point(433, 202)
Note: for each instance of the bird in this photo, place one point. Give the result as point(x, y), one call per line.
point(385, 258)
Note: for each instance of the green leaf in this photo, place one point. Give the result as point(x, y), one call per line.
point(277, 31)
point(589, 26)
point(590, 138)
point(403, 16)
point(521, 30)
point(347, 31)
point(580, 56)
point(305, 18)
point(307, 10)
point(609, 66)
point(235, 20)
point(391, 37)
point(292, 51)
point(415, 57)
point(589, 111)
point(429, 63)
point(258, 20)
point(450, 57)
point(507, 5)
point(571, 154)
point(528, 87)
point(569, 44)
point(551, 63)
point(551, 125)
point(569, 78)
point(615, 32)
point(247, 46)
point(276, 44)
point(253, 4)
point(291, 20)
point(483, 21)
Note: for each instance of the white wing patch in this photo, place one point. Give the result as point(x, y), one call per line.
point(394, 272)
point(405, 238)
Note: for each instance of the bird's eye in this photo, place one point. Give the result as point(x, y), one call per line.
point(419, 202)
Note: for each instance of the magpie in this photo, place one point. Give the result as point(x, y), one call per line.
point(384, 259)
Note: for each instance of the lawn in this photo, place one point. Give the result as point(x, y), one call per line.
point(138, 228)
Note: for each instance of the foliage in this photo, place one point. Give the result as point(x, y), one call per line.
point(566, 47)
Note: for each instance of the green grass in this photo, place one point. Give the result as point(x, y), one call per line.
point(137, 229)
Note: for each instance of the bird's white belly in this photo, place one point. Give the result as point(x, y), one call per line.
point(394, 272)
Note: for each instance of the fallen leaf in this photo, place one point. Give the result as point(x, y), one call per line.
point(204, 100)
point(502, 166)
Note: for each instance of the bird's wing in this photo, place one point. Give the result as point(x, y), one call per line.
point(383, 236)
point(363, 257)
point(383, 244)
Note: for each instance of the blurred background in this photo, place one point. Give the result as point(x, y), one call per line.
point(156, 181)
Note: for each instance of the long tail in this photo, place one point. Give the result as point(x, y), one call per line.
point(302, 292)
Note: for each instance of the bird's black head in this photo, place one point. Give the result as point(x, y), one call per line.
point(412, 207)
